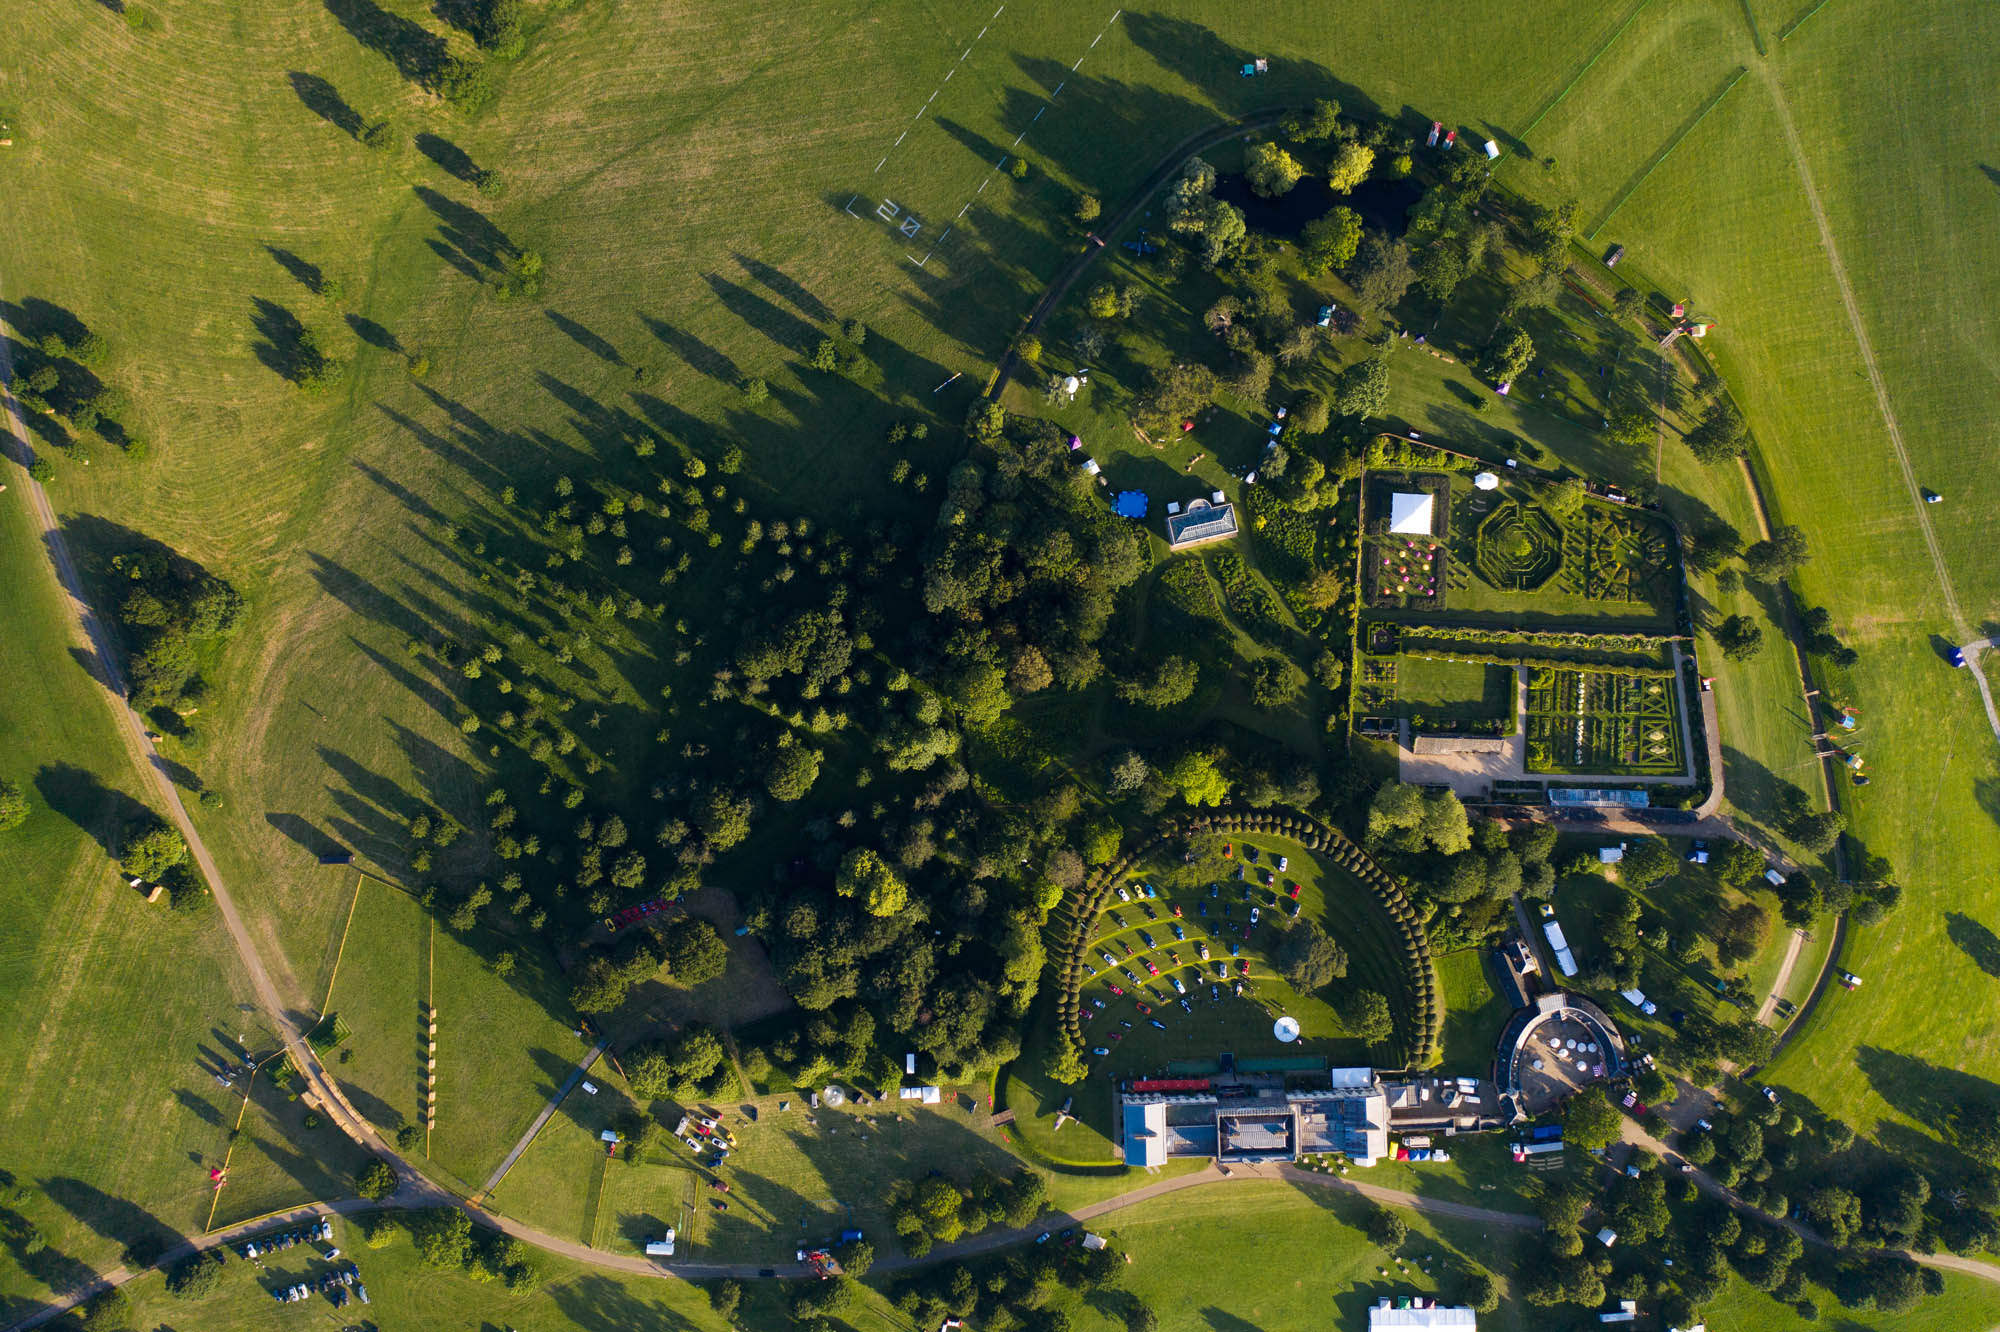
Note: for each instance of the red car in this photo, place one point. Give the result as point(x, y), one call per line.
point(1117, 990)
point(1177, 911)
point(1246, 931)
point(1243, 967)
point(1117, 1036)
point(1293, 889)
point(1151, 970)
point(1143, 1008)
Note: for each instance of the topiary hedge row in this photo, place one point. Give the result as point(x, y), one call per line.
point(1421, 1003)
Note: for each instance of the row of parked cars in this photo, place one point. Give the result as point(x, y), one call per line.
point(336, 1285)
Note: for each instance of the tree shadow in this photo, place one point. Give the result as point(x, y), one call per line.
point(781, 326)
point(324, 100)
point(373, 333)
point(281, 340)
point(301, 831)
point(787, 288)
point(143, 1236)
point(465, 231)
point(417, 53)
point(78, 795)
point(449, 157)
point(584, 338)
point(1992, 173)
point(1929, 1093)
point(698, 354)
point(199, 1108)
point(1975, 941)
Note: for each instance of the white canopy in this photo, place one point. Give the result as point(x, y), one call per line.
point(1286, 1029)
point(1486, 481)
point(1410, 513)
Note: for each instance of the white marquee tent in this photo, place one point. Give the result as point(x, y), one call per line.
point(1411, 514)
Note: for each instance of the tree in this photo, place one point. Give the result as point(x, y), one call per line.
point(1174, 393)
point(109, 1312)
point(1087, 208)
point(695, 951)
point(1740, 637)
point(1271, 170)
point(1350, 166)
point(1631, 427)
point(1836, 1211)
point(1818, 832)
point(1310, 415)
point(1171, 681)
point(725, 1296)
point(1365, 1016)
point(1481, 1291)
point(151, 848)
point(1329, 242)
point(1591, 1122)
point(1195, 778)
point(1307, 958)
point(864, 874)
point(13, 806)
point(1066, 1062)
point(1507, 356)
point(1440, 268)
point(197, 1275)
point(1564, 499)
point(1647, 861)
point(1381, 271)
point(792, 772)
point(1719, 437)
point(443, 1236)
point(1273, 682)
point(1778, 557)
point(1315, 124)
point(375, 1181)
point(660, 1069)
point(1385, 1229)
point(1362, 390)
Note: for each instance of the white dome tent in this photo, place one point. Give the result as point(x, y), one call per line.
point(1286, 1029)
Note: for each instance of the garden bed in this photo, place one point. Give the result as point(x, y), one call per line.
point(1601, 722)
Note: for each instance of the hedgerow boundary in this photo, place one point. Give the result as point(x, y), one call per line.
point(1423, 1018)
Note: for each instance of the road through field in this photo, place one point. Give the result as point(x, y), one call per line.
point(1879, 385)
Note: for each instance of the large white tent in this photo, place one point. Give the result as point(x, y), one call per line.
point(1411, 514)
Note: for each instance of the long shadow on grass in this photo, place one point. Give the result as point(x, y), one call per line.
point(583, 337)
point(1934, 1096)
point(417, 53)
point(786, 288)
point(464, 230)
point(781, 326)
point(80, 797)
point(51, 1267)
point(600, 1301)
point(144, 1237)
point(304, 272)
point(698, 354)
point(324, 100)
point(453, 160)
point(1975, 940)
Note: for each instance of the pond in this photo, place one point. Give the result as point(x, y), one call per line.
point(1384, 205)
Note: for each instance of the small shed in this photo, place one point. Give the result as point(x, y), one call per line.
point(1412, 513)
point(1090, 467)
point(1610, 855)
point(1492, 149)
point(1607, 1237)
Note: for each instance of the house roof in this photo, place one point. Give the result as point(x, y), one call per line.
point(1411, 513)
point(1202, 520)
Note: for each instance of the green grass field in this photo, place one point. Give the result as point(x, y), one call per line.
point(1453, 691)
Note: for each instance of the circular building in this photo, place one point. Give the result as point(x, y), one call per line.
point(1555, 1048)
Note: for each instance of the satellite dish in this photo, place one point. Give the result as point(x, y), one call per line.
point(1286, 1029)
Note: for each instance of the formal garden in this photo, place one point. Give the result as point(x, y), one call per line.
point(1604, 721)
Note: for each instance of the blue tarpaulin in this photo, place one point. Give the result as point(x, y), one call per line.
point(1129, 504)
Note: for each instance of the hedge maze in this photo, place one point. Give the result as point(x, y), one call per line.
point(1517, 548)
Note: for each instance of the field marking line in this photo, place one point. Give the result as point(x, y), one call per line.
point(555, 1100)
point(1038, 113)
point(1079, 61)
point(1094, 41)
point(1880, 387)
point(1019, 137)
point(1596, 55)
point(1605, 219)
point(431, 1012)
point(899, 139)
point(1058, 92)
point(879, 165)
point(947, 78)
point(341, 952)
point(996, 13)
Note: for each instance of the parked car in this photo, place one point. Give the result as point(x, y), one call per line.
point(1203, 908)
point(1250, 853)
point(1292, 891)
point(1202, 948)
point(1118, 920)
point(1214, 890)
point(1254, 915)
point(1152, 914)
point(1151, 891)
point(1177, 911)
point(1178, 987)
point(1221, 969)
point(1179, 933)
point(1161, 1025)
point(1101, 1050)
point(1292, 910)
point(1284, 863)
point(1146, 938)
point(1118, 990)
point(1151, 970)
point(1124, 893)
point(1214, 993)
point(1096, 1003)
point(1143, 1008)
point(1243, 967)
point(1131, 976)
point(1109, 960)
